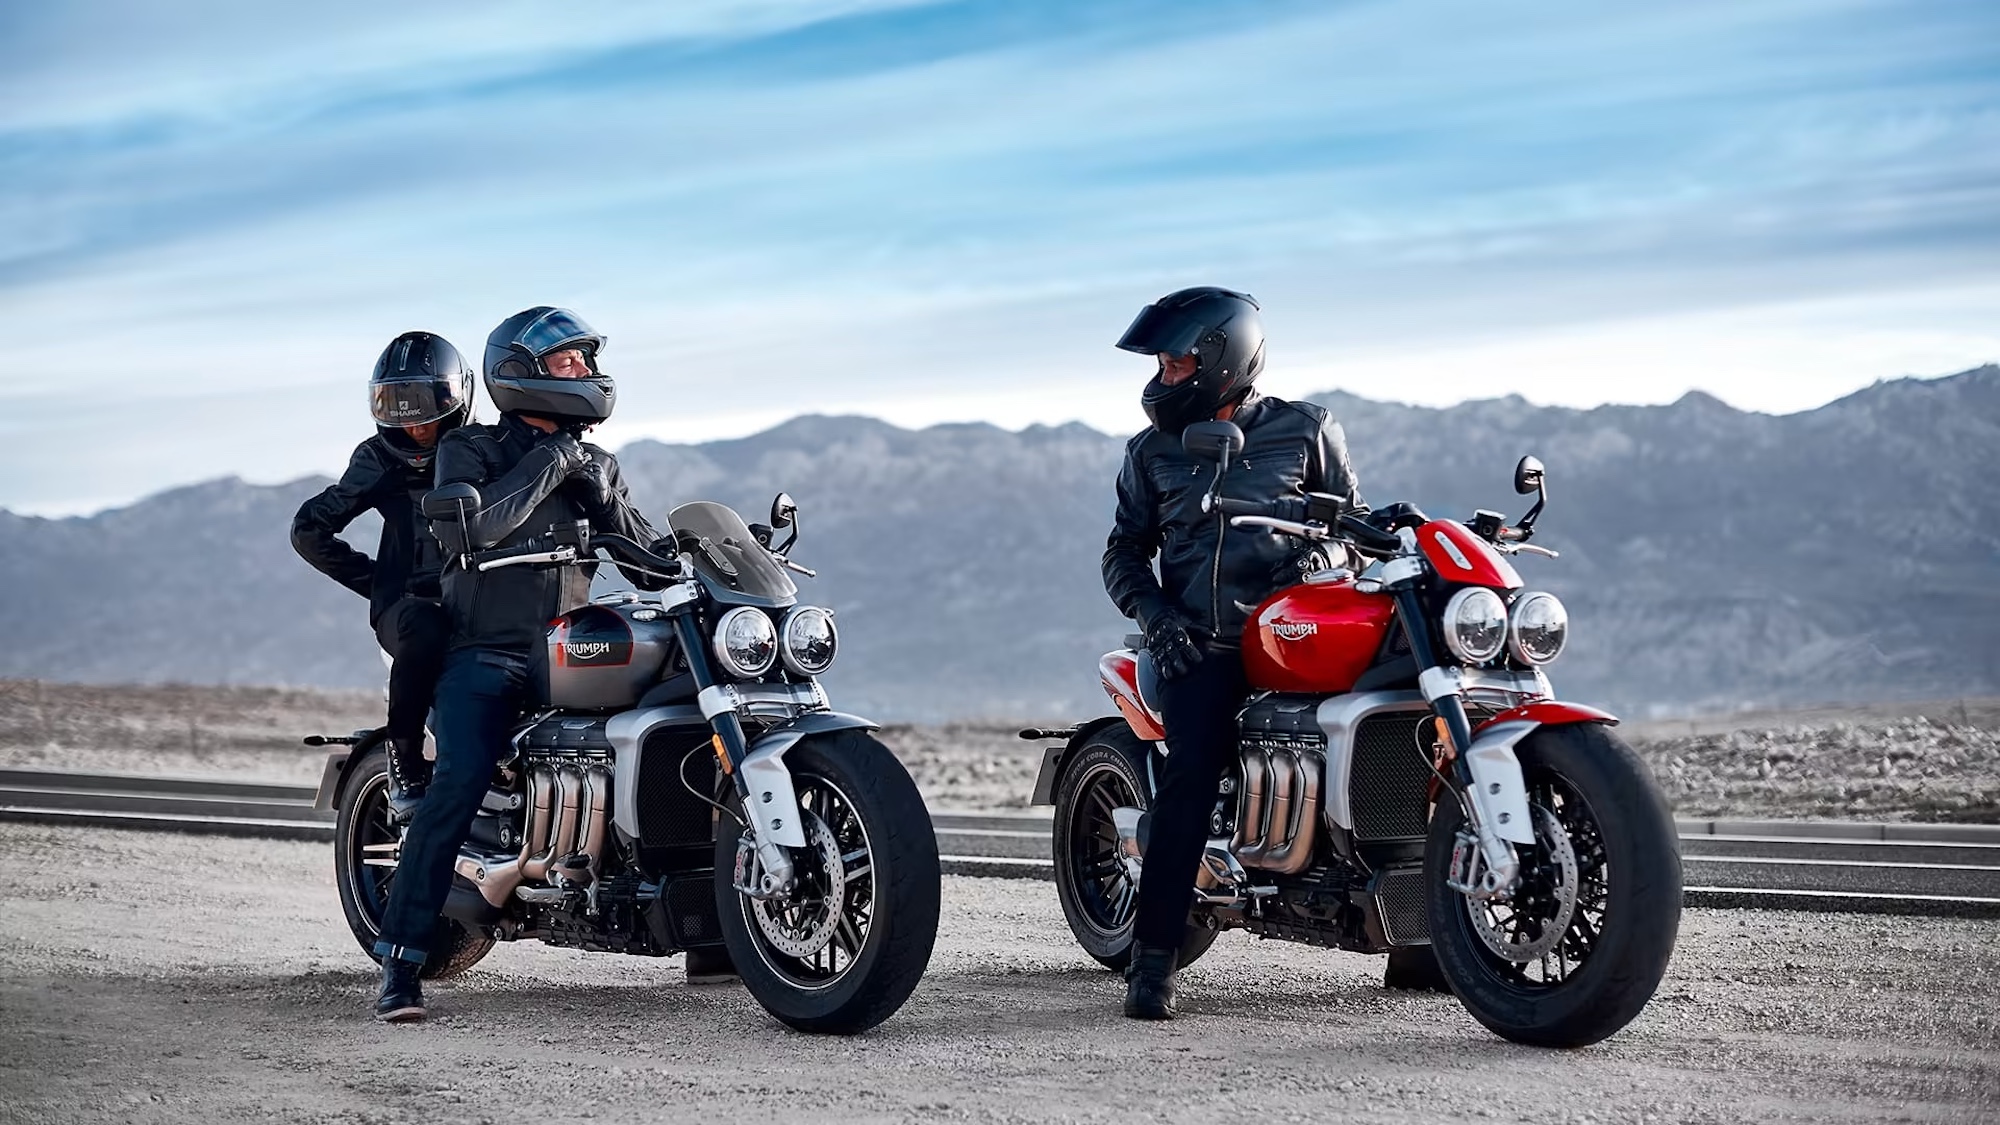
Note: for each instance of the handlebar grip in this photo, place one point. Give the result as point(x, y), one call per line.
point(1232, 507)
point(1368, 536)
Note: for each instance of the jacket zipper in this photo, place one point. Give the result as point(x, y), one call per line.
point(1215, 566)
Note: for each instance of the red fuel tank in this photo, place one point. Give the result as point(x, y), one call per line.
point(1314, 638)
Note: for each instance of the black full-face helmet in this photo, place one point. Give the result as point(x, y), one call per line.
point(519, 381)
point(1222, 329)
point(419, 378)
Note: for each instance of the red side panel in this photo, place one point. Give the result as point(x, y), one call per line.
point(1462, 557)
point(1551, 713)
point(1120, 675)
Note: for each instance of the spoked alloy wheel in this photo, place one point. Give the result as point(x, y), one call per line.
point(813, 938)
point(366, 848)
point(1098, 896)
point(847, 946)
point(1581, 944)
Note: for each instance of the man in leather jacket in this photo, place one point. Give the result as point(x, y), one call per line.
point(531, 472)
point(1210, 347)
point(421, 390)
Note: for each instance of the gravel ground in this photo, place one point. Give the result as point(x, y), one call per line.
point(157, 978)
point(1925, 762)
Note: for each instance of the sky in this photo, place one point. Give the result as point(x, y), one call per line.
point(214, 214)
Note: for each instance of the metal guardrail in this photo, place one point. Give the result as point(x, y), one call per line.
point(1928, 869)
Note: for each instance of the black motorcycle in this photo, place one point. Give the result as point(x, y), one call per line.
point(680, 782)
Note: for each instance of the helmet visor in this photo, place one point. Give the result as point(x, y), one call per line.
point(1157, 330)
point(417, 401)
point(553, 329)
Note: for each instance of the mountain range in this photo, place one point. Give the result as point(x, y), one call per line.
point(1711, 558)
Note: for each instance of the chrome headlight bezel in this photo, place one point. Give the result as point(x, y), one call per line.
point(801, 617)
point(1471, 599)
point(759, 655)
point(1518, 646)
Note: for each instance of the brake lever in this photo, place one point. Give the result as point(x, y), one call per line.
point(559, 555)
point(1531, 548)
point(790, 565)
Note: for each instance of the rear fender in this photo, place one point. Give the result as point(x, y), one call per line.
point(772, 795)
point(340, 763)
point(1057, 757)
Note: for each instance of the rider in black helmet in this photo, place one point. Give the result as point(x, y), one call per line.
point(532, 471)
point(1209, 345)
point(421, 390)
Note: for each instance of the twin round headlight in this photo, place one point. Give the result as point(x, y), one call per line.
point(1477, 626)
point(747, 644)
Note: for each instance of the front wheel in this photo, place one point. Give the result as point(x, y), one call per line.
point(366, 845)
point(1580, 945)
point(847, 947)
point(1098, 898)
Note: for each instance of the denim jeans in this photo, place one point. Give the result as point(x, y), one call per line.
point(1199, 713)
point(478, 695)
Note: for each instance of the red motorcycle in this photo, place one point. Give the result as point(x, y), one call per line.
point(1407, 783)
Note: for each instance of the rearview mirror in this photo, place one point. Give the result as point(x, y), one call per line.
point(1213, 441)
point(453, 502)
point(1528, 475)
point(783, 511)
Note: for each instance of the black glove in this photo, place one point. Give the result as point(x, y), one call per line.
point(565, 452)
point(589, 488)
point(1170, 638)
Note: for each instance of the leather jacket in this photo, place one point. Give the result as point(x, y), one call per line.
point(1213, 573)
point(525, 487)
point(407, 559)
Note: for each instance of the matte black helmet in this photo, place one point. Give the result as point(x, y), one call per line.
point(419, 378)
point(518, 379)
point(1222, 329)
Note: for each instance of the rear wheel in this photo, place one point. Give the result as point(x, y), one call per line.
point(366, 844)
point(1098, 898)
point(1581, 944)
point(846, 948)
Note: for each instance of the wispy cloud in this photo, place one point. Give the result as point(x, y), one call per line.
point(953, 206)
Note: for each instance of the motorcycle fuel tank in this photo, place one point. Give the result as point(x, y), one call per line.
point(599, 657)
point(1316, 637)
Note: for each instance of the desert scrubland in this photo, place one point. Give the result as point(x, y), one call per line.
point(1936, 761)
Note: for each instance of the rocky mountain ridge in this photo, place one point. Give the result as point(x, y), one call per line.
point(1711, 557)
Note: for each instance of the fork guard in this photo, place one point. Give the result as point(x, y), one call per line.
point(1499, 792)
point(770, 781)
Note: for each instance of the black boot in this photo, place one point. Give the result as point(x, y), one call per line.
point(402, 998)
point(409, 775)
point(710, 964)
point(1149, 983)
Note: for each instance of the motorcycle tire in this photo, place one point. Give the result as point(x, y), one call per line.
point(361, 820)
point(856, 790)
point(1617, 854)
point(1112, 762)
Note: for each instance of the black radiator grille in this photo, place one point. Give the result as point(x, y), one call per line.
point(691, 907)
point(1405, 913)
point(1390, 782)
point(669, 815)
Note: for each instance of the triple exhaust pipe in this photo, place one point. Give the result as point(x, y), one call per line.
point(567, 811)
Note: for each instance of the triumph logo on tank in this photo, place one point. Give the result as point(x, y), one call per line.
point(583, 652)
point(1295, 630)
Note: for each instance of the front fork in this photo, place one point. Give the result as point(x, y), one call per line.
point(1484, 772)
point(763, 784)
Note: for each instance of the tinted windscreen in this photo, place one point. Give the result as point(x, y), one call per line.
point(719, 542)
point(1157, 330)
point(415, 402)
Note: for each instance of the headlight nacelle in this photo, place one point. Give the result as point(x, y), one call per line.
point(1538, 628)
point(808, 640)
point(746, 643)
point(1475, 624)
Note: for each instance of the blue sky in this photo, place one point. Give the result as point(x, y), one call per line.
point(213, 215)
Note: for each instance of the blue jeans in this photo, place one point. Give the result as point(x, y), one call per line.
point(477, 697)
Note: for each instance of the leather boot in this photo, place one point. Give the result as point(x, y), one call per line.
point(1149, 983)
point(409, 775)
point(402, 998)
point(711, 964)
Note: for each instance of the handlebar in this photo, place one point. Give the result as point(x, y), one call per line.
point(622, 549)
